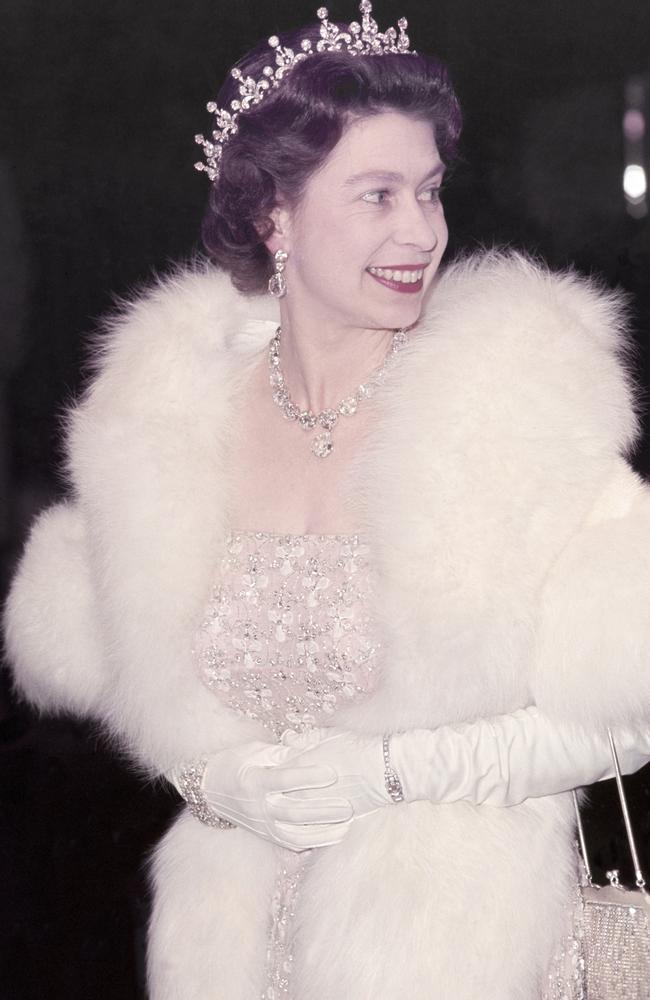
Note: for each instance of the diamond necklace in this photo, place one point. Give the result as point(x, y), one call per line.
point(322, 445)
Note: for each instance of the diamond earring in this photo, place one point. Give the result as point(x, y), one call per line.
point(277, 281)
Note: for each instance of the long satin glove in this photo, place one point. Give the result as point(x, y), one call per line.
point(499, 761)
point(246, 786)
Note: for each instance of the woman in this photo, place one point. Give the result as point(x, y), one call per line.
point(262, 572)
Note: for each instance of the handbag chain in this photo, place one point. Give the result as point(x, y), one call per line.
point(612, 876)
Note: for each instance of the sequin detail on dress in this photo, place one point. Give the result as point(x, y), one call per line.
point(287, 634)
point(286, 638)
point(279, 953)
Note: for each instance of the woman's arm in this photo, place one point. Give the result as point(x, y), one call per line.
point(593, 631)
point(50, 618)
point(500, 761)
point(510, 758)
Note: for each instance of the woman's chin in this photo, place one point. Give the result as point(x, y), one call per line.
point(400, 316)
point(397, 310)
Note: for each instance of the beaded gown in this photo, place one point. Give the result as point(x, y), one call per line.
point(286, 637)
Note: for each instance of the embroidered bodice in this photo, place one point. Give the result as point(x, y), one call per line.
point(287, 634)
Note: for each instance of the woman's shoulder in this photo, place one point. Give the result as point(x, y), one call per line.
point(163, 360)
point(525, 291)
point(193, 306)
point(156, 342)
point(512, 346)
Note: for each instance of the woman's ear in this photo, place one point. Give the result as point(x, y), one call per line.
point(279, 238)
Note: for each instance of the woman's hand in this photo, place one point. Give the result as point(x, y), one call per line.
point(247, 786)
point(305, 791)
point(500, 761)
point(356, 760)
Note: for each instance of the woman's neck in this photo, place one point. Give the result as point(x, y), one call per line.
point(323, 363)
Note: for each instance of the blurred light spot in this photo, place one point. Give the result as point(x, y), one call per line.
point(634, 125)
point(634, 182)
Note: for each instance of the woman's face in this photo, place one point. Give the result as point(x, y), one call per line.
point(366, 239)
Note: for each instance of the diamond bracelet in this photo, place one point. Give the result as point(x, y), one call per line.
point(190, 785)
point(391, 777)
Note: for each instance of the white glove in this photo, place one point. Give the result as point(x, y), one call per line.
point(245, 785)
point(507, 759)
point(499, 762)
point(356, 760)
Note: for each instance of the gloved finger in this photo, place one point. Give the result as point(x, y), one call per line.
point(286, 778)
point(348, 786)
point(304, 737)
point(304, 838)
point(268, 755)
point(327, 810)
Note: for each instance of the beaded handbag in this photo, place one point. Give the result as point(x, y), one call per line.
point(605, 954)
point(615, 921)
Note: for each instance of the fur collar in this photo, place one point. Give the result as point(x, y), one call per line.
point(495, 432)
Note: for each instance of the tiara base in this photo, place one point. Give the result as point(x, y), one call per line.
point(356, 38)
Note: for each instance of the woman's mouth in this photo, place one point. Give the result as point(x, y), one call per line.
point(400, 279)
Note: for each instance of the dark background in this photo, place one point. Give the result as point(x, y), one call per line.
point(97, 192)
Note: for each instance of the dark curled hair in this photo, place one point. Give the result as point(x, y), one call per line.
point(281, 142)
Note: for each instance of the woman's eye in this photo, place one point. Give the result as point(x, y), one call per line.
point(376, 197)
point(382, 196)
point(431, 195)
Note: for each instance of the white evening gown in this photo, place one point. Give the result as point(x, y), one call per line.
point(287, 636)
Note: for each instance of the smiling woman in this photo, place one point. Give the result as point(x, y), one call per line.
point(376, 667)
point(352, 245)
point(284, 140)
point(350, 229)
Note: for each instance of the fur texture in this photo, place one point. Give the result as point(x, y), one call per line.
point(510, 539)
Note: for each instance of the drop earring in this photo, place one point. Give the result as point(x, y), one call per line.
point(277, 281)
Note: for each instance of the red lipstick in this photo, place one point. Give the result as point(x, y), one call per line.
point(385, 275)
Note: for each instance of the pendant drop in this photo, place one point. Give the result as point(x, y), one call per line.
point(277, 286)
point(322, 444)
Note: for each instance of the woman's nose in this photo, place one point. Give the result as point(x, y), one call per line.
point(416, 227)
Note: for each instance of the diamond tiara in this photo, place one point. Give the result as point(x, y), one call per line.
point(363, 39)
